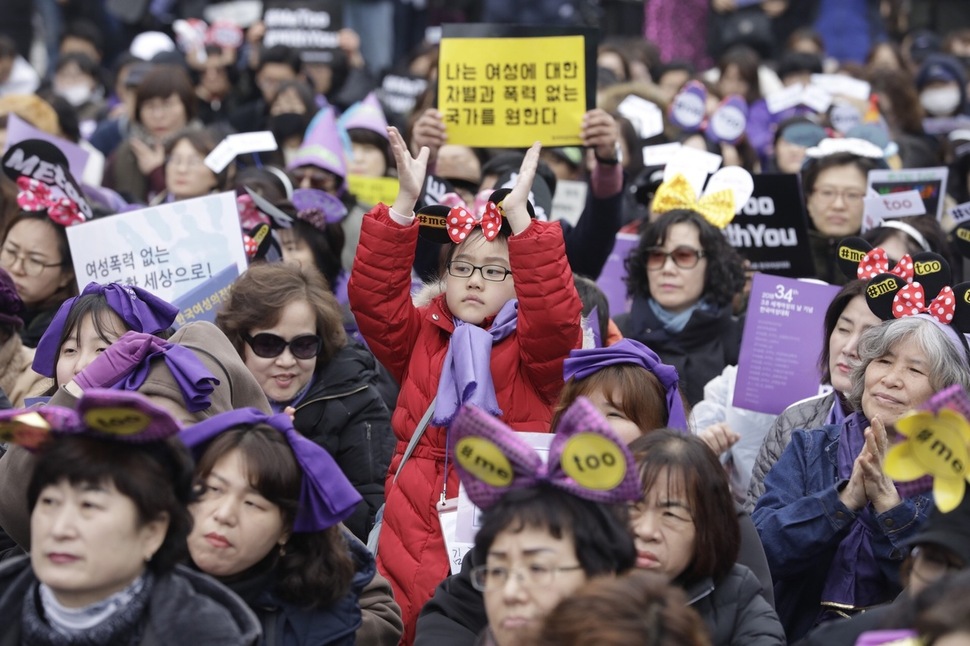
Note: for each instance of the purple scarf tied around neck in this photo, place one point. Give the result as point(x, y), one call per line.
point(466, 376)
point(854, 578)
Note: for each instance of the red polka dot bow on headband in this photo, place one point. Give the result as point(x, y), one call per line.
point(911, 300)
point(34, 195)
point(461, 222)
point(876, 262)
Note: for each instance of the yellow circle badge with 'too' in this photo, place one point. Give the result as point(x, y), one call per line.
point(593, 461)
point(116, 421)
point(484, 459)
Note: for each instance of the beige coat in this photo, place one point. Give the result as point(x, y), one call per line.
point(17, 379)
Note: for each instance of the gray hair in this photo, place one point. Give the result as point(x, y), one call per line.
point(947, 362)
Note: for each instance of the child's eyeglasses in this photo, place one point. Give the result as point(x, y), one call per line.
point(269, 346)
point(683, 257)
point(493, 273)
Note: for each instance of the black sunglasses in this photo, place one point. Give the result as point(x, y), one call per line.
point(269, 346)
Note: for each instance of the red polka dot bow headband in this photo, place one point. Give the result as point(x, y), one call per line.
point(461, 222)
point(34, 195)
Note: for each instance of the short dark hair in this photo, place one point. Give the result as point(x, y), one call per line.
point(161, 82)
point(799, 63)
point(259, 295)
point(601, 533)
point(366, 137)
point(280, 54)
point(84, 30)
point(724, 276)
point(747, 60)
point(814, 167)
point(8, 48)
point(315, 568)
point(203, 141)
point(849, 291)
point(684, 456)
point(156, 476)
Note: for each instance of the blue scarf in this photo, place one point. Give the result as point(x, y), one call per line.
point(675, 322)
point(466, 376)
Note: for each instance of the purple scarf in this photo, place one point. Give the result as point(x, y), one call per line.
point(193, 378)
point(854, 578)
point(466, 376)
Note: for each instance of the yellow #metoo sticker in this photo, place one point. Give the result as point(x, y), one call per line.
point(511, 92)
point(484, 459)
point(937, 446)
point(593, 461)
point(117, 421)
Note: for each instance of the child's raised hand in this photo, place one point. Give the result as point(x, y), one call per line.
point(515, 202)
point(410, 172)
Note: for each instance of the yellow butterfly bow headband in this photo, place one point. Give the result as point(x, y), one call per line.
point(717, 207)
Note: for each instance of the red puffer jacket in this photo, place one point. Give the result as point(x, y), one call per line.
point(411, 342)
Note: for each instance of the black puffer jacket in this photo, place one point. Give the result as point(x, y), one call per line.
point(735, 612)
point(709, 341)
point(184, 607)
point(345, 413)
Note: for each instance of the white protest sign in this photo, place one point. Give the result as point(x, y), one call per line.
point(869, 221)
point(842, 85)
point(895, 205)
point(167, 249)
point(569, 201)
point(960, 213)
point(646, 116)
point(784, 99)
point(693, 164)
point(239, 144)
point(929, 182)
point(816, 98)
point(661, 154)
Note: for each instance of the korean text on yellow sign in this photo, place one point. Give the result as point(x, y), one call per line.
point(510, 92)
point(371, 190)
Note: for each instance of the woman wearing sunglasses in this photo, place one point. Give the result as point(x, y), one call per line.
point(682, 277)
point(288, 328)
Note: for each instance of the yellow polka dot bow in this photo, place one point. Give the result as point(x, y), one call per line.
point(716, 207)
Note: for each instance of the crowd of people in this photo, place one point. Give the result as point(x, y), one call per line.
point(304, 468)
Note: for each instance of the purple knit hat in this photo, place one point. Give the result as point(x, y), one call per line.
point(10, 304)
point(322, 147)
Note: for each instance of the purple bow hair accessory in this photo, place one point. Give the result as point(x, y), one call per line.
point(326, 496)
point(103, 414)
point(141, 311)
point(586, 458)
point(193, 378)
point(583, 363)
point(317, 207)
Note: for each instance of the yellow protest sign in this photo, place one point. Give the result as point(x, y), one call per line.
point(371, 190)
point(935, 445)
point(511, 92)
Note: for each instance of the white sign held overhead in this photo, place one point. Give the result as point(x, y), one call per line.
point(646, 116)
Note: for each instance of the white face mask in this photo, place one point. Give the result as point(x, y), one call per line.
point(940, 101)
point(76, 95)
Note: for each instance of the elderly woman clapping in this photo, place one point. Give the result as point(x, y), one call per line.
point(832, 523)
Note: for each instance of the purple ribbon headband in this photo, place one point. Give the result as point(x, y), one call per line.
point(583, 363)
point(103, 414)
point(326, 496)
point(141, 311)
point(586, 458)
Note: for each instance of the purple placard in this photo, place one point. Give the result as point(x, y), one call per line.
point(205, 301)
point(781, 343)
point(19, 130)
point(612, 279)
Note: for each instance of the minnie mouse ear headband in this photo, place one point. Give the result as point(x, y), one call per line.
point(44, 182)
point(850, 145)
point(586, 458)
point(140, 310)
point(112, 415)
point(443, 224)
point(728, 190)
point(583, 363)
point(917, 286)
point(326, 496)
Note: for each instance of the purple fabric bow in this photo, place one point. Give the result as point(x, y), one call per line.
point(326, 496)
point(854, 577)
point(141, 311)
point(193, 378)
point(104, 414)
point(586, 458)
point(583, 363)
point(466, 375)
